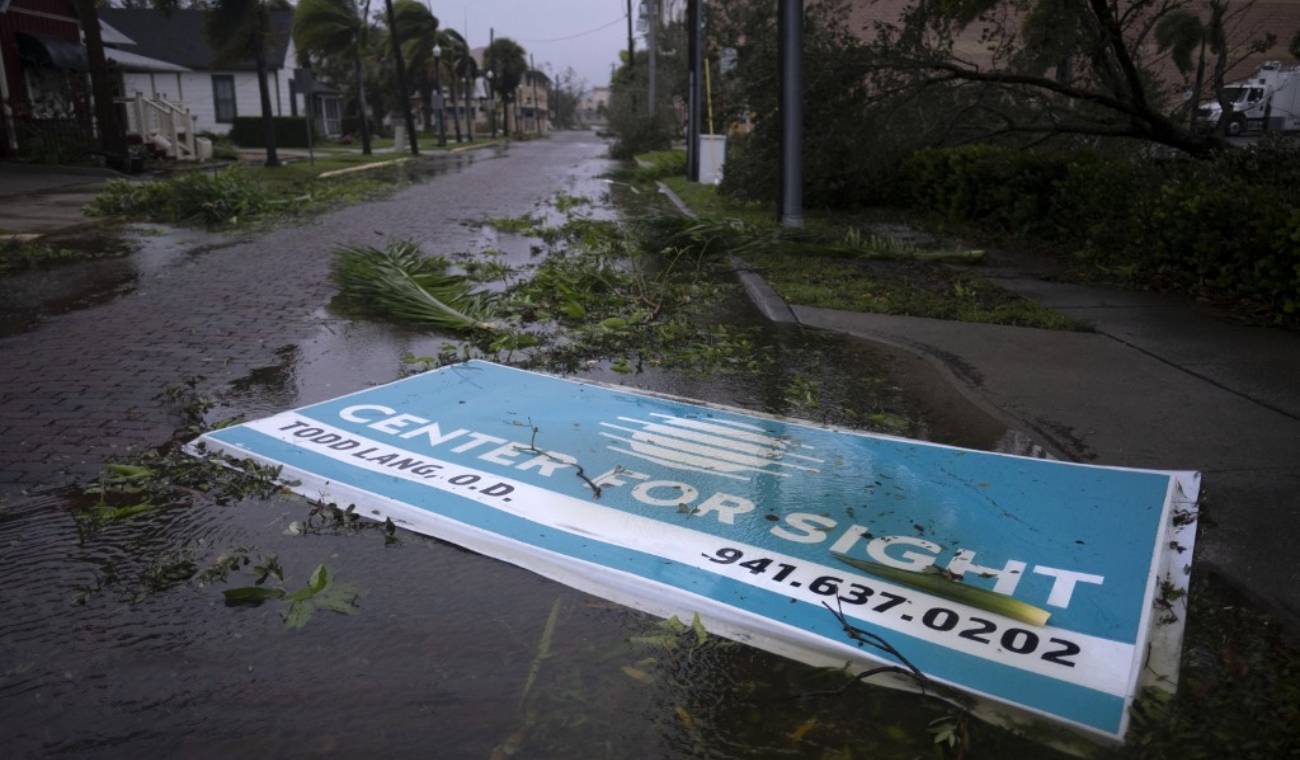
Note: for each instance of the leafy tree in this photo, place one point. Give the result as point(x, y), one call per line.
point(237, 30)
point(1059, 67)
point(567, 92)
point(336, 28)
point(1183, 32)
point(508, 62)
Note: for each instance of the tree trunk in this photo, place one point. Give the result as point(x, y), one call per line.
point(111, 139)
point(455, 113)
point(505, 116)
point(403, 92)
point(361, 99)
point(268, 124)
point(471, 108)
point(1219, 44)
point(1197, 87)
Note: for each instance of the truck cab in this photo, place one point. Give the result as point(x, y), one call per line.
point(1247, 103)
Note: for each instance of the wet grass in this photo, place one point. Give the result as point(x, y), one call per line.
point(912, 289)
point(828, 275)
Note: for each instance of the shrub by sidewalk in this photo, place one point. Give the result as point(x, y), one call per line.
point(1227, 230)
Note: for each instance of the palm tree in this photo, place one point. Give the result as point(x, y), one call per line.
point(237, 29)
point(467, 70)
point(507, 61)
point(455, 50)
point(335, 27)
point(403, 92)
point(419, 35)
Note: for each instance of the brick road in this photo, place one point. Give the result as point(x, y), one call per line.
point(85, 386)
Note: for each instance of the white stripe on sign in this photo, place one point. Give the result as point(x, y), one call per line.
point(1100, 664)
point(771, 451)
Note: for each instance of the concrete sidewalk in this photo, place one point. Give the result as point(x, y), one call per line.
point(39, 202)
point(1163, 383)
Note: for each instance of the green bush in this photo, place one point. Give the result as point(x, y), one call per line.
point(1227, 228)
point(290, 131)
point(209, 198)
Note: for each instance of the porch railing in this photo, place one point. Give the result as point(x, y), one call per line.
point(160, 123)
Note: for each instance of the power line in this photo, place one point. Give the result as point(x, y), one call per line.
point(600, 28)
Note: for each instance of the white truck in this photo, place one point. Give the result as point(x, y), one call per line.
point(1267, 101)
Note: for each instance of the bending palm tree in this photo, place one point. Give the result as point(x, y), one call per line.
point(507, 62)
point(237, 29)
point(403, 92)
point(335, 27)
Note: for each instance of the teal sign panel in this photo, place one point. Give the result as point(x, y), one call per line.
point(678, 507)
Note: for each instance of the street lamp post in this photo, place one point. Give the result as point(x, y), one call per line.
point(437, 95)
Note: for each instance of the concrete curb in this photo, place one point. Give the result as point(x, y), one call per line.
point(676, 199)
point(764, 297)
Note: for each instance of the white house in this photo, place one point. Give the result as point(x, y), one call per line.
point(165, 55)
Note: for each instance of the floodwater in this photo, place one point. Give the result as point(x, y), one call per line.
point(116, 642)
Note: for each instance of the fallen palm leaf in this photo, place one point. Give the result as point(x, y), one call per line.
point(939, 585)
point(399, 282)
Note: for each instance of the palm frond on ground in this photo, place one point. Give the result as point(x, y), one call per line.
point(400, 282)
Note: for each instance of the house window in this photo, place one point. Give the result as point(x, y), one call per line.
point(223, 96)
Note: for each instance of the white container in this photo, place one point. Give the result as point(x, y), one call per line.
point(203, 149)
point(713, 152)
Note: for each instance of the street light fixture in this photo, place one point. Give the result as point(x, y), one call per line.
point(437, 97)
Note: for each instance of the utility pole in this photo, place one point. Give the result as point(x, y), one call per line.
point(695, 57)
point(652, 23)
point(790, 29)
point(491, 77)
point(537, 118)
point(631, 50)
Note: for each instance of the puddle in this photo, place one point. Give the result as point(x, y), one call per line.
point(28, 298)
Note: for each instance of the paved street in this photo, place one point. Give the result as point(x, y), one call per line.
point(84, 386)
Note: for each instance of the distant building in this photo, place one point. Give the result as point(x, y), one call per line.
point(593, 106)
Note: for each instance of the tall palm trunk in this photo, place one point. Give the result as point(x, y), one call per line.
point(455, 108)
point(361, 98)
point(403, 93)
point(111, 140)
point(268, 125)
point(471, 108)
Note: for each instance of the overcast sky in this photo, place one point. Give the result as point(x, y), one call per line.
point(540, 25)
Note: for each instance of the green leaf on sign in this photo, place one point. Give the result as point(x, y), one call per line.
point(939, 585)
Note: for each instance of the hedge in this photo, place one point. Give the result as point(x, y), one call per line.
point(1227, 228)
point(290, 131)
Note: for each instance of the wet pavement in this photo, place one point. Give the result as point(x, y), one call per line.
point(111, 644)
point(81, 382)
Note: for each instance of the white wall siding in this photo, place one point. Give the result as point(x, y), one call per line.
point(194, 89)
point(197, 87)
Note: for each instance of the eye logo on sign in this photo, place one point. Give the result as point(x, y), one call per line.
point(720, 447)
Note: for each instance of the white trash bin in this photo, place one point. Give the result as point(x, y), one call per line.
point(713, 152)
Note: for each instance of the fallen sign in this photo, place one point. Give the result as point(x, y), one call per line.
point(789, 536)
